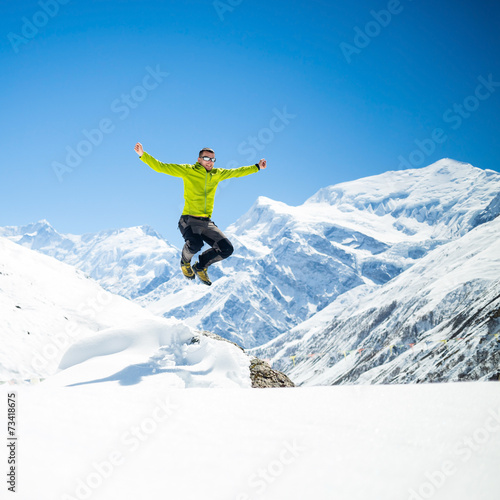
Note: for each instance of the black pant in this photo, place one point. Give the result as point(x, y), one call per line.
point(199, 230)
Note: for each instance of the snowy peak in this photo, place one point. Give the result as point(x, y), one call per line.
point(41, 225)
point(444, 176)
point(125, 234)
point(36, 235)
point(445, 196)
point(263, 212)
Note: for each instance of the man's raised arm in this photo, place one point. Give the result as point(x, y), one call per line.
point(172, 169)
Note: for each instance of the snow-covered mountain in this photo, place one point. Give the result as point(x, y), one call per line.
point(53, 317)
point(45, 306)
point(118, 405)
point(129, 262)
point(291, 262)
point(113, 414)
point(437, 321)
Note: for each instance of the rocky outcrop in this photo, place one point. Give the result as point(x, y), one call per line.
point(261, 373)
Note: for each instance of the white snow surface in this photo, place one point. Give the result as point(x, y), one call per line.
point(45, 305)
point(107, 440)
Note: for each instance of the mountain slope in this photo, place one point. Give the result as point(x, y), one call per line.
point(291, 262)
point(130, 262)
point(45, 306)
point(54, 318)
point(439, 320)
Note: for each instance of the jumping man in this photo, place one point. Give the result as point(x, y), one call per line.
point(195, 225)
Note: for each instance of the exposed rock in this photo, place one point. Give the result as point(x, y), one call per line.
point(261, 373)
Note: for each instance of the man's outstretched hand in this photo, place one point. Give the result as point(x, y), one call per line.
point(138, 149)
point(262, 164)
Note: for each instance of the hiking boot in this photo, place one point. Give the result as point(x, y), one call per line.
point(201, 272)
point(187, 270)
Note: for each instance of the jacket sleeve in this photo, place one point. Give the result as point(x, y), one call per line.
point(173, 169)
point(238, 172)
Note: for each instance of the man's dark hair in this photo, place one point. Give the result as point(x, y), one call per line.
point(205, 149)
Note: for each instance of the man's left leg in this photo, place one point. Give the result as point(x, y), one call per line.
point(221, 248)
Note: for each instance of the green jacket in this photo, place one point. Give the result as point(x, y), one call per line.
point(199, 185)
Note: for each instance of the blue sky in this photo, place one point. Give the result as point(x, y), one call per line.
point(326, 91)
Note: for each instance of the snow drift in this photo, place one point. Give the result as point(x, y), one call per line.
point(161, 348)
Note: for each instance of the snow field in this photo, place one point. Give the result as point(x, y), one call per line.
point(147, 440)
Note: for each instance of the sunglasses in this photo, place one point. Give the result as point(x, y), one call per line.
point(207, 158)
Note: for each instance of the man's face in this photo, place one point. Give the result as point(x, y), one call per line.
point(206, 163)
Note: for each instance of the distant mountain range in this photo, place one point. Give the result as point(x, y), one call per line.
point(129, 262)
point(351, 263)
